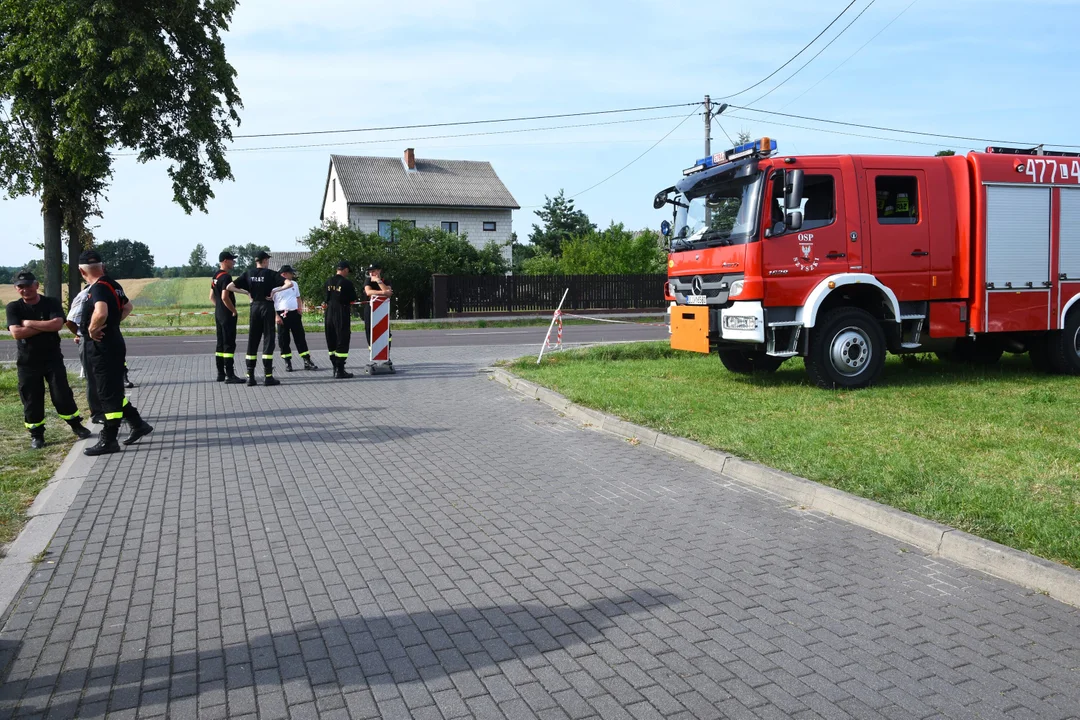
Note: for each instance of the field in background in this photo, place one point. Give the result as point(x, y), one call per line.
point(133, 288)
point(178, 293)
point(989, 450)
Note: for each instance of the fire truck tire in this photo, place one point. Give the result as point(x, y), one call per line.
point(847, 350)
point(745, 362)
point(1064, 346)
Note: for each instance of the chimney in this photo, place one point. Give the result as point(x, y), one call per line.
point(410, 159)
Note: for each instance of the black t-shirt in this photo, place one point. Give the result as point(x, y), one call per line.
point(367, 306)
point(221, 280)
point(340, 293)
point(108, 291)
point(260, 282)
point(43, 345)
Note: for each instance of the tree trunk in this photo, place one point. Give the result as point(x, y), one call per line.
point(75, 248)
point(54, 254)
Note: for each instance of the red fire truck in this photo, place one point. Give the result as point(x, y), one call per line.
point(842, 258)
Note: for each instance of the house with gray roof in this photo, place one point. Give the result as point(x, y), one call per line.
point(462, 196)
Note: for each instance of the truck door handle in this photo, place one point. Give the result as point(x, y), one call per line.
point(836, 255)
point(919, 253)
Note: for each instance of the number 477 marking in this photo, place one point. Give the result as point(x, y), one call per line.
point(1052, 170)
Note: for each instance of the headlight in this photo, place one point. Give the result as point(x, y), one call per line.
point(740, 322)
point(736, 288)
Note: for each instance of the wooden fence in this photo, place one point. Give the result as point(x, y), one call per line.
point(453, 294)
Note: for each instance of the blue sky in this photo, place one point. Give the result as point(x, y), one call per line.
point(985, 68)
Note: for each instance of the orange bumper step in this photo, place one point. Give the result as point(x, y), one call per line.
point(690, 328)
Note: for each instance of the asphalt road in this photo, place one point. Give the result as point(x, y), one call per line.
point(141, 346)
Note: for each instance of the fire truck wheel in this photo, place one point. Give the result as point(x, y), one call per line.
point(847, 350)
point(744, 362)
point(1064, 346)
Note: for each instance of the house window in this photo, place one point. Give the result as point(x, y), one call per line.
point(334, 189)
point(489, 227)
point(386, 227)
point(897, 200)
point(450, 227)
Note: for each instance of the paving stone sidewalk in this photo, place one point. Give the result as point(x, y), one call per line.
point(429, 545)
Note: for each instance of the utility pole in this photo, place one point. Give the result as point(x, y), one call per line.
point(708, 126)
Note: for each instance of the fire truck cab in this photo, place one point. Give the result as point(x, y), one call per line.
point(842, 258)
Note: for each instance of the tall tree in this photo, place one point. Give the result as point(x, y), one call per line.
point(245, 254)
point(562, 221)
point(82, 78)
point(196, 264)
point(126, 259)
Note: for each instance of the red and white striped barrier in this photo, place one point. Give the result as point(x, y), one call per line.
point(379, 352)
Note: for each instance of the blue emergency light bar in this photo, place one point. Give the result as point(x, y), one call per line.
point(758, 148)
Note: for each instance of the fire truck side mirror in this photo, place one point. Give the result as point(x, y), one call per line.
point(794, 220)
point(793, 190)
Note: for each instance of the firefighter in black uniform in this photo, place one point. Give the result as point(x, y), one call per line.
point(340, 295)
point(259, 284)
point(225, 319)
point(289, 307)
point(376, 286)
point(106, 352)
point(35, 322)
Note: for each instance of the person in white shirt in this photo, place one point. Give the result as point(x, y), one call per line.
point(289, 308)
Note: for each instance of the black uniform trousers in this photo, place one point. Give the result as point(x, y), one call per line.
point(338, 333)
point(92, 400)
point(292, 323)
point(226, 334)
point(261, 329)
point(106, 371)
point(33, 375)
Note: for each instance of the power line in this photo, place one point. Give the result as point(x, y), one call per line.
point(792, 58)
point(897, 130)
point(827, 45)
point(463, 122)
point(270, 148)
point(895, 18)
point(840, 132)
point(717, 121)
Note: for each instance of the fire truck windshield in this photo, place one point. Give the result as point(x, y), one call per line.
point(720, 213)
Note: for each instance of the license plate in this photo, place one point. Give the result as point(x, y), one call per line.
point(696, 299)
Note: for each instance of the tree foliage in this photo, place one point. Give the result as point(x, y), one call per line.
point(562, 221)
point(613, 251)
point(82, 78)
point(196, 264)
point(944, 153)
point(408, 262)
point(126, 258)
point(245, 254)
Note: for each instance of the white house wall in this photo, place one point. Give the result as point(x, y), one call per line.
point(335, 208)
point(470, 222)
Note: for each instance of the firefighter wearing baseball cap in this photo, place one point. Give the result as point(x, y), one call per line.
point(106, 352)
point(225, 319)
point(289, 307)
point(376, 286)
point(260, 284)
point(340, 295)
point(35, 321)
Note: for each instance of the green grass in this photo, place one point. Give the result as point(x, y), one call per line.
point(992, 451)
point(178, 294)
point(24, 472)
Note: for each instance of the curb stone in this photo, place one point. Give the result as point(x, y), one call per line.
point(46, 513)
point(1053, 579)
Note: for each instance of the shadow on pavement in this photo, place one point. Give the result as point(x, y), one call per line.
point(353, 652)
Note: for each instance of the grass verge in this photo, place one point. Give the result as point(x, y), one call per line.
point(24, 472)
point(992, 451)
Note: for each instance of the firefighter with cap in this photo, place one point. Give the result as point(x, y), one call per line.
point(376, 286)
point(35, 322)
point(260, 284)
point(225, 319)
point(289, 307)
point(340, 295)
point(106, 352)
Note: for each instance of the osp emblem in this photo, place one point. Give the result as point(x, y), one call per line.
point(806, 259)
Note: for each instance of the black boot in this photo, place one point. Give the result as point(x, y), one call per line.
point(220, 361)
point(230, 373)
point(251, 373)
point(106, 443)
point(288, 363)
point(341, 374)
point(79, 429)
point(127, 381)
point(139, 427)
point(308, 365)
point(268, 370)
point(37, 437)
